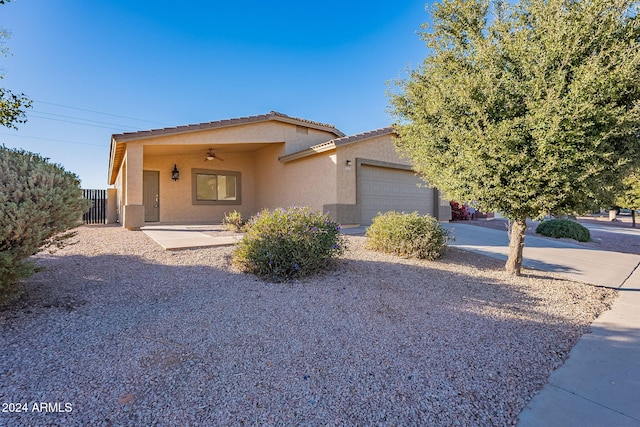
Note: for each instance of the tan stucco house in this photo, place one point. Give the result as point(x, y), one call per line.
point(197, 173)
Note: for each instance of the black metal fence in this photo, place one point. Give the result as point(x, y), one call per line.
point(98, 213)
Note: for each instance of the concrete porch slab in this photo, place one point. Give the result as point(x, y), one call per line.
point(174, 237)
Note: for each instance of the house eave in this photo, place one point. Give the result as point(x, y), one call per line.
point(272, 116)
point(316, 149)
point(335, 143)
point(116, 156)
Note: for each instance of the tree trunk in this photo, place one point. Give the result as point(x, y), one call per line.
point(516, 244)
point(633, 218)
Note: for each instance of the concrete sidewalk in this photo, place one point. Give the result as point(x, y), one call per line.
point(599, 384)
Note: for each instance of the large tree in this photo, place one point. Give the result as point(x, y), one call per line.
point(629, 196)
point(525, 108)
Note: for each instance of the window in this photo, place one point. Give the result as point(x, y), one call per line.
point(215, 187)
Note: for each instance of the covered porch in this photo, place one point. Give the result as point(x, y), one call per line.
point(186, 184)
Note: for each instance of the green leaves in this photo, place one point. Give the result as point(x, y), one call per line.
point(288, 243)
point(629, 195)
point(12, 108)
point(410, 235)
point(564, 228)
point(39, 201)
point(525, 108)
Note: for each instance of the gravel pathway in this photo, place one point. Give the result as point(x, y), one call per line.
point(116, 331)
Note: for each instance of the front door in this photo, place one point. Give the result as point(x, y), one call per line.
point(151, 195)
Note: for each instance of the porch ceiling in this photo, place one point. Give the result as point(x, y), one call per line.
point(118, 150)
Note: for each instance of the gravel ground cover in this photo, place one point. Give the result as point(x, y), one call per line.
point(116, 331)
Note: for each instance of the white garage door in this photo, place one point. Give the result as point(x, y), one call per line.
point(386, 189)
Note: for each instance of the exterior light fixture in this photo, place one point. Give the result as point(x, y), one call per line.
point(348, 165)
point(175, 174)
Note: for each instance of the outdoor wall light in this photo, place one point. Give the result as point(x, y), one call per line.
point(175, 173)
point(349, 163)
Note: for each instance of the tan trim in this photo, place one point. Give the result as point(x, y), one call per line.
point(116, 155)
point(316, 149)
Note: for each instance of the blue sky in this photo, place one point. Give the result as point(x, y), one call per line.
point(94, 68)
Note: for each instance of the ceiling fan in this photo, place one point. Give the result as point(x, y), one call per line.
point(212, 156)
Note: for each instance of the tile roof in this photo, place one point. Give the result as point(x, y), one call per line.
point(337, 142)
point(118, 141)
point(273, 115)
point(364, 135)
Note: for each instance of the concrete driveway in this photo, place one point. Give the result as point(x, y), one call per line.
point(599, 384)
point(580, 263)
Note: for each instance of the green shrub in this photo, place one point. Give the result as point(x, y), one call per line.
point(39, 201)
point(288, 243)
point(408, 235)
point(233, 221)
point(564, 228)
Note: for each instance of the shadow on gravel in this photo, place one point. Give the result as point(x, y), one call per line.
point(367, 343)
point(72, 279)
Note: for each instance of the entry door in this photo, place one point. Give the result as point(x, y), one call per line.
point(151, 195)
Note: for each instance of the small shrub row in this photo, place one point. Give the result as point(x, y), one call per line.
point(288, 243)
point(564, 228)
point(410, 235)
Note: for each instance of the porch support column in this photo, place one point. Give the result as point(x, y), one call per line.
point(134, 208)
point(112, 205)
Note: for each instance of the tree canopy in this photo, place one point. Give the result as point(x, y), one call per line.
point(629, 197)
point(39, 201)
point(525, 108)
point(12, 106)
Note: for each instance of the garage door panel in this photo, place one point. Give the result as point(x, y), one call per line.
point(386, 189)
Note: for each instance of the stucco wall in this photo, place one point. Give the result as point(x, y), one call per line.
point(306, 182)
point(252, 150)
point(239, 146)
point(176, 196)
point(134, 158)
point(380, 148)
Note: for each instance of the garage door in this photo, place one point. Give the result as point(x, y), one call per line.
point(386, 189)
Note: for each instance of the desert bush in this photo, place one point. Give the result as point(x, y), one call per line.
point(410, 235)
point(288, 243)
point(564, 228)
point(39, 203)
point(233, 221)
